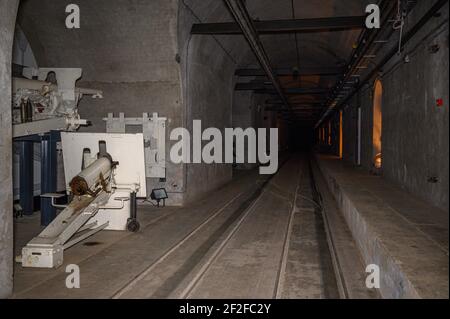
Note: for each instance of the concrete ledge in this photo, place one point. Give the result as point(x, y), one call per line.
point(404, 236)
point(347, 260)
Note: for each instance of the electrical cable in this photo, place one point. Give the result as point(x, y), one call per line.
point(319, 206)
point(398, 24)
point(295, 35)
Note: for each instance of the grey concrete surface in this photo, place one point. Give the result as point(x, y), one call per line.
point(401, 234)
point(122, 256)
point(347, 259)
point(244, 115)
point(141, 55)
point(8, 9)
point(415, 132)
point(232, 244)
point(309, 272)
point(128, 50)
point(330, 47)
point(248, 264)
point(25, 279)
point(169, 277)
point(207, 73)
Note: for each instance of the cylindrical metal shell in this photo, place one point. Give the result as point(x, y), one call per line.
point(92, 177)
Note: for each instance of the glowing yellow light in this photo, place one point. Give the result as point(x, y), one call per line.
point(378, 161)
point(341, 137)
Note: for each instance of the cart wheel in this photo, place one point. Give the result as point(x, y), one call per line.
point(133, 225)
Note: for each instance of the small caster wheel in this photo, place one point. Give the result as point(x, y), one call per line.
point(133, 225)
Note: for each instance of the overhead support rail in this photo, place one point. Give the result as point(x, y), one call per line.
point(283, 26)
point(243, 19)
point(392, 52)
point(293, 103)
point(258, 87)
point(297, 106)
point(366, 39)
point(292, 91)
point(292, 72)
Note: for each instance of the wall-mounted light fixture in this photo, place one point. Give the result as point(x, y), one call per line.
point(159, 194)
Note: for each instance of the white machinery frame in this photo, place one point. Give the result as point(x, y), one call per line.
point(154, 131)
point(108, 208)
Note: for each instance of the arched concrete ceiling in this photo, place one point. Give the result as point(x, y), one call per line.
point(326, 49)
point(116, 31)
point(138, 40)
point(319, 48)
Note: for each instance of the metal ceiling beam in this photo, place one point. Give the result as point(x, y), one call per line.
point(366, 39)
point(294, 107)
point(283, 26)
point(292, 91)
point(314, 102)
point(314, 114)
point(438, 5)
point(297, 105)
point(250, 86)
point(243, 19)
point(295, 111)
point(305, 108)
point(301, 110)
point(291, 72)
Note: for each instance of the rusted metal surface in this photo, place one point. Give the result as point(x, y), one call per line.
point(79, 203)
point(79, 186)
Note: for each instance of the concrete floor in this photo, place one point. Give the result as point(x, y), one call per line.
point(246, 240)
point(256, 237)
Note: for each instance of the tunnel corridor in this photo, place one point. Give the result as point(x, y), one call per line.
point(224, 149)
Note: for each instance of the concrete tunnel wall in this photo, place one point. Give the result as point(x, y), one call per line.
point(249, 111)
point(128, 50)
point(208, 64)
point(8, 9)
point(244, 115)
point(141, 54)
point(415, 131)
point(208, 80)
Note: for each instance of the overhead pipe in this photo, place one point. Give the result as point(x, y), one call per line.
point(243, 19)
point(365, 42)
point(409, 35)
point(284, 26)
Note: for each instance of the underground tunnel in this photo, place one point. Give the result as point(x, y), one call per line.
point(224, 149)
